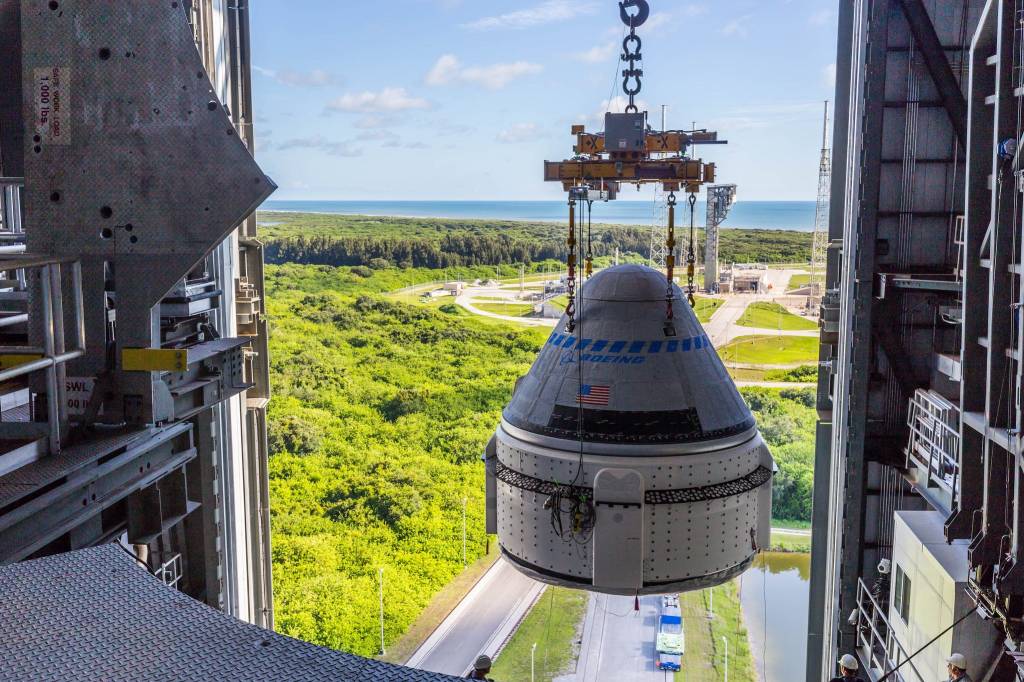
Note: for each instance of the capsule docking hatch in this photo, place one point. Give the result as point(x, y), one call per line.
point(626, 461)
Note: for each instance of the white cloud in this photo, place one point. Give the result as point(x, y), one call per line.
point(821, 17)
point(693, 10)
point(828, 75)
point(760, 116)
point(544, 13)
point(319, 143)
point(598, 54)
point(615, 105)
point(396, 143)
point(520, 132)
point(444, 71)
point(448, 69)
point(737, 27)
point(317, 78)
point(372, 134)
point(374, 121)
point(388, 99)
point(658, 21)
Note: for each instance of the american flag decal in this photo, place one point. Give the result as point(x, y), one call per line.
point(594, 395)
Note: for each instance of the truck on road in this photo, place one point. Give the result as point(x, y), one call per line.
point(670, 638)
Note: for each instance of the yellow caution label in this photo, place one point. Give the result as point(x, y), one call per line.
point(14, 359)
point(154, 359)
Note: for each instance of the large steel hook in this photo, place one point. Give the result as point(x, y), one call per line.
point(643, 11)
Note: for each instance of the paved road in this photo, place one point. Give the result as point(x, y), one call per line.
point(618, 642)
point(480, 623)
point(722, 323)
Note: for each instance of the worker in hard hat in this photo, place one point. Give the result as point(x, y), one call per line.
point(848, 667)
point(957, 667)
point(481, 667)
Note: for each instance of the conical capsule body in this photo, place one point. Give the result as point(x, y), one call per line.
point(626, 461)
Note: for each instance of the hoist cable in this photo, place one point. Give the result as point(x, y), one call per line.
point(691, 257)
point(590, 245)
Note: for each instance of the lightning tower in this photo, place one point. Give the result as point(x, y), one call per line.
point(819, 248)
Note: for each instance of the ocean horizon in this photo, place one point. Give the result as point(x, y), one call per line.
point(762, 215)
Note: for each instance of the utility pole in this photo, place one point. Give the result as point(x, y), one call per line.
point(711, 604)
point(726, 658)
point(533, 651)
point(380, 582)
point(522, 279)
point(465, 562)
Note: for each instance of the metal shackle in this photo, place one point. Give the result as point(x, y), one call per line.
point(643, 12)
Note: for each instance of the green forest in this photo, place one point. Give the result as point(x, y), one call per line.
point(380, 413)
point(321, 239)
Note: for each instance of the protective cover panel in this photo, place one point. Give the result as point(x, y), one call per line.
point(619, 530)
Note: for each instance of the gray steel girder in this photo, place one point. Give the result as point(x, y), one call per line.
point(130, 158)
point(938, 66)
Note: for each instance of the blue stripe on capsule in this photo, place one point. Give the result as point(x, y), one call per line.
point(599, 345)
point(687, 343)
point(655, 347)
point(672, 346)
point(637, 347)
point(617, 347)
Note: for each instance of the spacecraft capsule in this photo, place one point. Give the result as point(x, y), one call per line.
point(626, 461)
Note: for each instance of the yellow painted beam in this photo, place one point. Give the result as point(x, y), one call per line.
point(14, 359)
point(154, 359)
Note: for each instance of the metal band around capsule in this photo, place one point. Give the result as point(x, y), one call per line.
point(717, 491)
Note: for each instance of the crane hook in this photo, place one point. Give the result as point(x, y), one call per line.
point(643, 10)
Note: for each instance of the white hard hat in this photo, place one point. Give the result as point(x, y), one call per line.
point(957, 661)
point(849, 662)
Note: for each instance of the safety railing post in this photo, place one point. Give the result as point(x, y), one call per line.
point(52, 411)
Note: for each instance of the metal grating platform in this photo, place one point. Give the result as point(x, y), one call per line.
point(93, 614)
point(27, 479)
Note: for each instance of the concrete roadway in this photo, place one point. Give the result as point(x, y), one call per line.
point(618, 642)
point(481, 622)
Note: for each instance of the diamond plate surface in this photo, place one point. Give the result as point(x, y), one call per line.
point(94, 615)
point(49, 469)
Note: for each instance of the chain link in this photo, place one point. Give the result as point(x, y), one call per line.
point(670, 259)
point(570, 280)
point(631, 45)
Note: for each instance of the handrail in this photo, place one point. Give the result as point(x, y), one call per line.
point(934, 443)
point(54, 352)
point(870, 615)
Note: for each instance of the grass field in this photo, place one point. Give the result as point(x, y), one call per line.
point(706, 307)
point(767, 315)
point(788, 541)
point(553, 624)
point(800, 281)
point(704, 657)
point(771, 350)
point(509, 309)
point(438, 609)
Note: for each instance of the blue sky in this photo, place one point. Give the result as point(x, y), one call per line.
point(464, 99)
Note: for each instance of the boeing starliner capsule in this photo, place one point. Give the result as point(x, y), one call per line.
point(626, 461)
